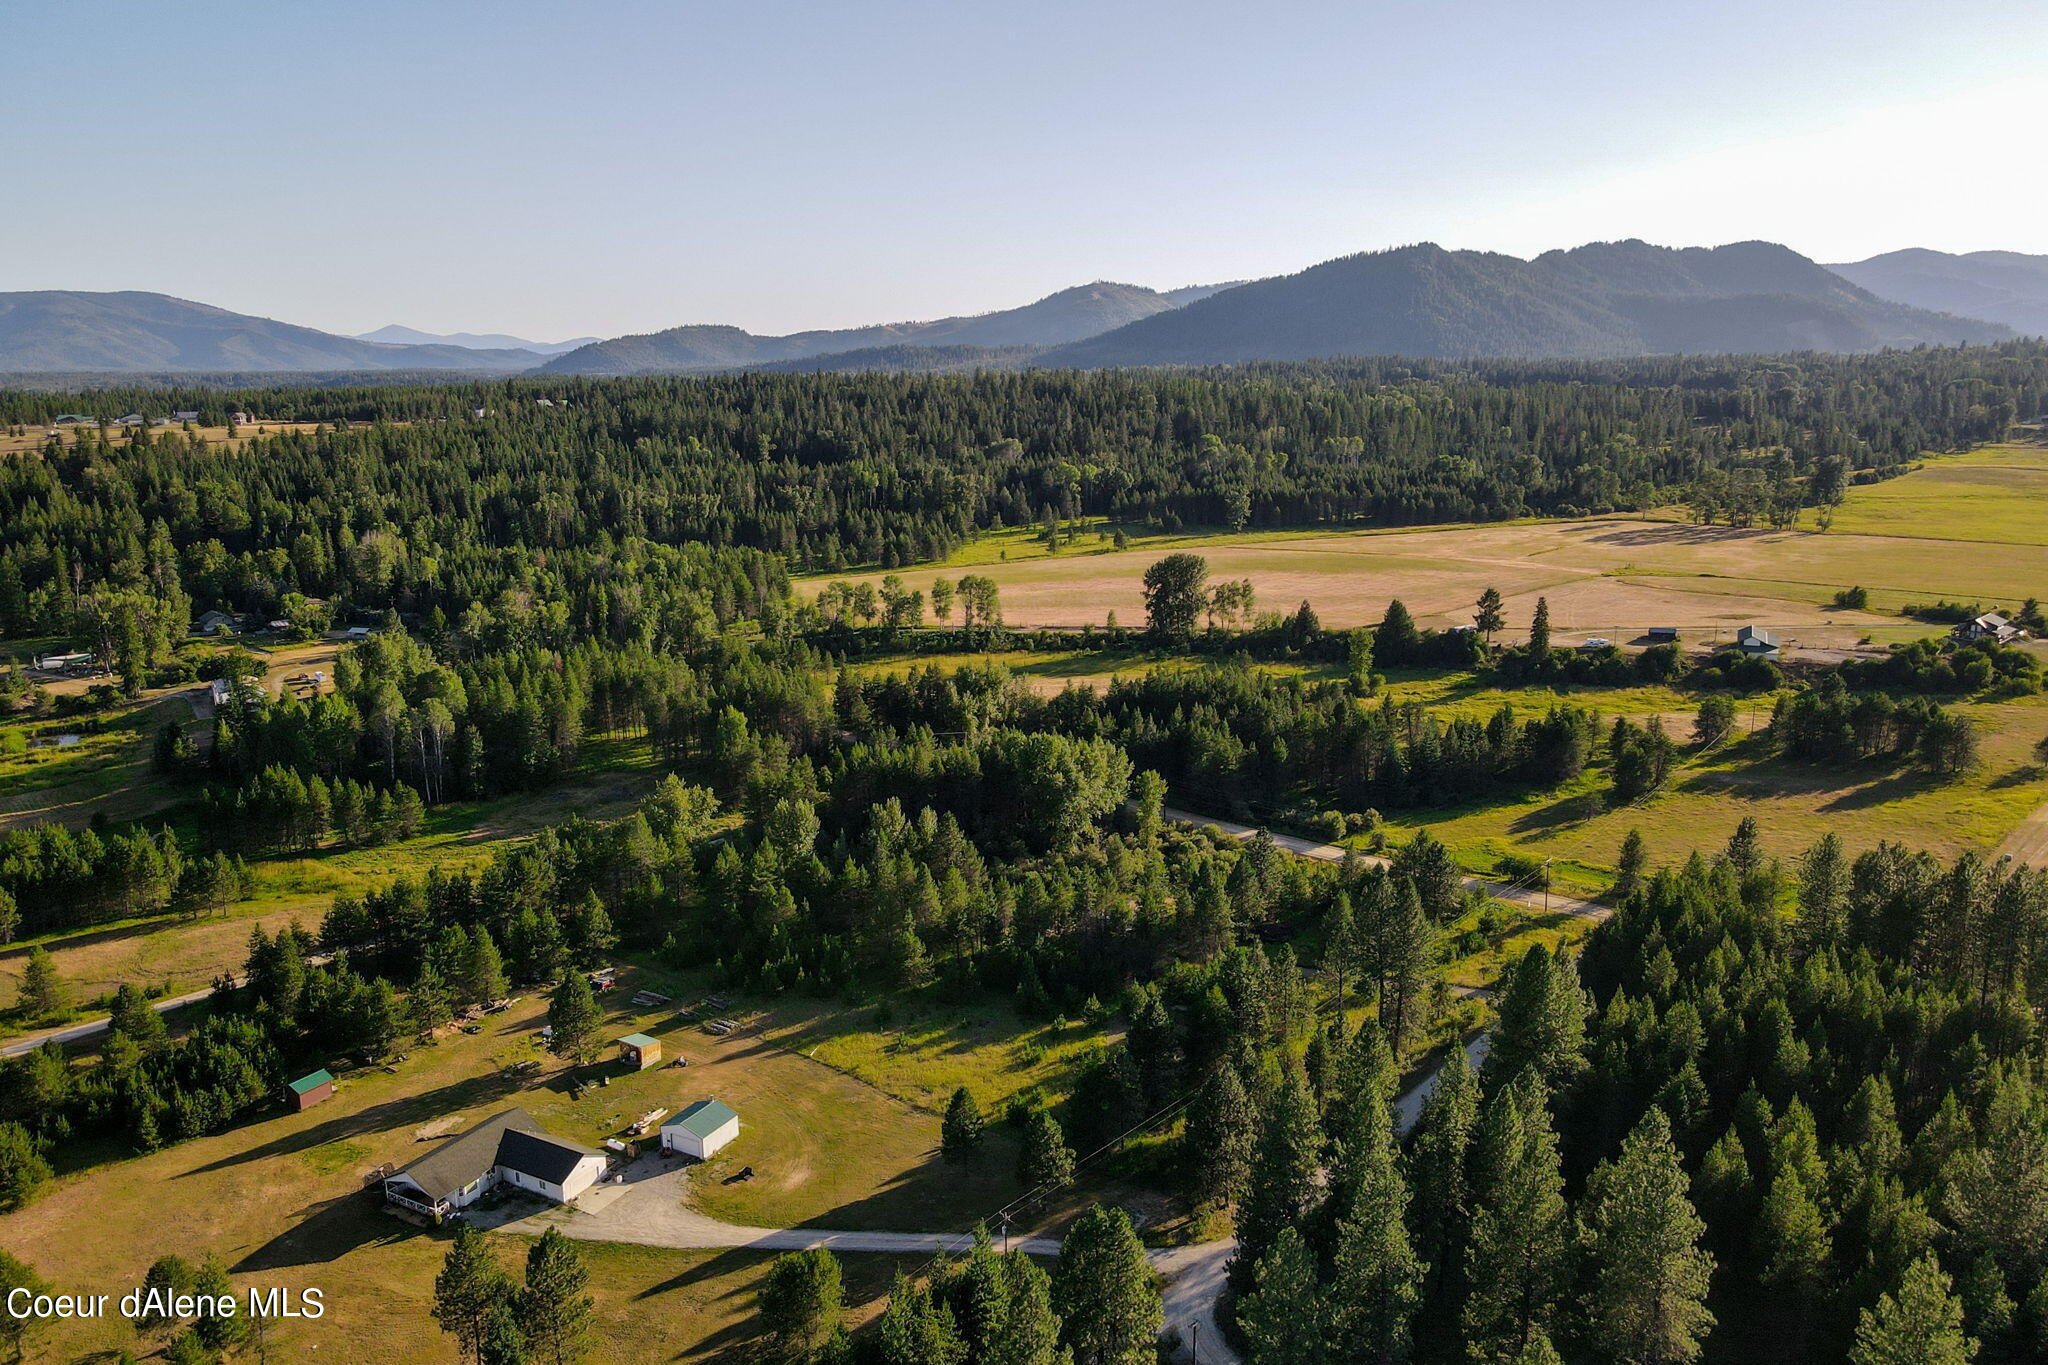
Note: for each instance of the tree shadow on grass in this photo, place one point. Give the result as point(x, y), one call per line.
point(377, 1118)
point(1562, 814)
point(328, 1230)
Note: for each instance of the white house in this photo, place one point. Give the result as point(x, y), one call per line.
point(506, 1149)
point(701, 1129)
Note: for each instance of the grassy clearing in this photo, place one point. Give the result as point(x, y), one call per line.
point(279, 1202)
point(1793, 804)
point(1995, 495)
point(1603, 575)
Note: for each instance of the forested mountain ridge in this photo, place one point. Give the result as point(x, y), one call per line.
point(131, 330)
point(2001, 286)
point(1602, 299)
point(1068, 315)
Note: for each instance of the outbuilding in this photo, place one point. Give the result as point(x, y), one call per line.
point(639, 1051)
point(1757, 642)
point(310, 1090)
point(1663, 635)
point(701, 1129)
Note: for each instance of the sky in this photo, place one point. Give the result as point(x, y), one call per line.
point(603, 167)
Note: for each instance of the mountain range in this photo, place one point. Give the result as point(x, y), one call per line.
point(1604, 299)
point(2004, 286)
point(1070, 315)
point(1624, 298)
point(134, 332)
point(395, 335)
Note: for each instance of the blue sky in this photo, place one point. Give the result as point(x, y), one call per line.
point(605, 167)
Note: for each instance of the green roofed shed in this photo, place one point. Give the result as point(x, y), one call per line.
point(309, 1090)
point(639, 1051)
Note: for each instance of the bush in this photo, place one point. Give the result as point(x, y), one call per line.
point(1851, 599)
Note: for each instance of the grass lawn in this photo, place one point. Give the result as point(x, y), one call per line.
point(1996, 494)
point(278, 1201)
point(1793, 804)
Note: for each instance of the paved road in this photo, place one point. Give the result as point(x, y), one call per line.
point(92, 1028)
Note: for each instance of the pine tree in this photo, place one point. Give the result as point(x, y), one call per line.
point(1518, 1259)
point(1745, 846)
point(1630, 866)
point(1539, 634)
point(1823, 893)
point(1647, 1304)
point(553, 1310)
point(573, 1015)
point(1437, 1158)
point(1031, 1330)
point(1921, 1325)
point(1104, 1291)
point(428, 1005)
point(1045, 1161)
point(1376, 1282)
point(469, 1291)
point(42, 991)
point(1218, 1141)
point(1489, 620)
point(1409, 953)
point(960, 1131)
point(15, 1329)
point(1283, 1187)
point(1396, 642)
point(217, 1331)
point(1283, 1319)
point(917, 1330)
point(1542, 1023)
point(483, 970)
point(800, 1301)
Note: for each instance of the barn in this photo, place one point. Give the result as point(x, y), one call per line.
point(701, 1129)
point(308, 1091)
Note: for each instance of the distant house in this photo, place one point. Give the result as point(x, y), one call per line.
point(1595, 642)
point(72, 419)
point(356, 633)
point(188, 415)
point(1663, 635)
point(1757, 642)
point(241, 419)
point(639, 1051)
point(1990, 626)
point(509, 1148)
point(701, 1129)
point(221, 689)
point(213, 623)
point(64, 663)
point(308, 1091)
point(131, 419)
point(1464, 628)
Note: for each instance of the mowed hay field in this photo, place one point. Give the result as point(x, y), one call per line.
point(1602, 575)
point(280, 1202)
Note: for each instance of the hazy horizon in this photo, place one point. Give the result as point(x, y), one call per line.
point(627, 167)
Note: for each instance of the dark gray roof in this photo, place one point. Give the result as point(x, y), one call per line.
point(513, 1138)
point(540, 1156)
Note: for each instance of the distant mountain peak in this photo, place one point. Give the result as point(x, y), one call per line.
point(134, 331)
